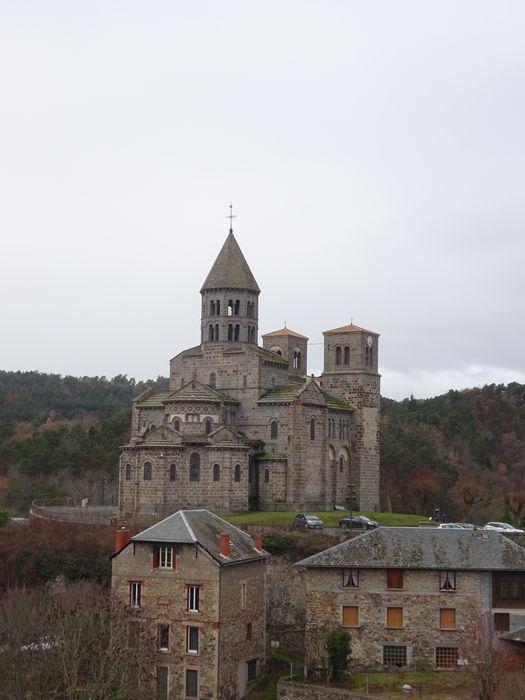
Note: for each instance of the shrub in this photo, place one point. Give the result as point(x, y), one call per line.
point(338, 648)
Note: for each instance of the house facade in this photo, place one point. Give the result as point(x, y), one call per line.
point(414, 597)
point(243, 426)
point(198, 585)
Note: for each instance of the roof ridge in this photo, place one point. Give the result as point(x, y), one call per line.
point(190, 529)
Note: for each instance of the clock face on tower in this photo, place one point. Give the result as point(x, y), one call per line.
point(369, 341)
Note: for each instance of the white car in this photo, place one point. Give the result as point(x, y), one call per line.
point(502, 527)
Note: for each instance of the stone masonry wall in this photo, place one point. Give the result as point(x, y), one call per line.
point(242, 603)
point(287, 690)
point(164, 600)
point(420, 599)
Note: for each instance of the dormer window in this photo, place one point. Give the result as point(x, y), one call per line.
point(163, 557)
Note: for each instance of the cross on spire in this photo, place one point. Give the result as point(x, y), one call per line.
point(231, 216)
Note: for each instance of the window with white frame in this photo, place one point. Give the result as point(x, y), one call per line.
point(192, 639)
point(350, 578)
point(163, 557)
point(193, 598)
point(447, 580)
point(135, 593)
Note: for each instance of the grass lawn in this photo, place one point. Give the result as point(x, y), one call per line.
point(330, 518)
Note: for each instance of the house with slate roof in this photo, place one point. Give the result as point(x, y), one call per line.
point(413, 597)
point(198, 584)
point(243, 426)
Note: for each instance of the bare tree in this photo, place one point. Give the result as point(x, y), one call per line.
point(71, 644)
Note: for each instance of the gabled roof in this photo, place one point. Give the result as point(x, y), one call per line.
point(266, 355)
point(352, 328)
point(152, 397)
point(423, 548)
point(197, 391)
point(230, 270)
point(203, 528)
point(291, 392)
point(284, 331)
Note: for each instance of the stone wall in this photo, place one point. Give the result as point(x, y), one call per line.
point(420, 600)
point(289, 690)
point(286, 598)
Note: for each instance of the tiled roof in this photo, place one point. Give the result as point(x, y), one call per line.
point(284, 331)
point(266, 355)
point(196, 391)
point(153, 398)
point(352, 328)
point(230, 270)
point(204, 528)
point(423, 548)
point(291, 392)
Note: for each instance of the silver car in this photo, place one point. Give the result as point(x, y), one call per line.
point(502, 527)
point(308, 522)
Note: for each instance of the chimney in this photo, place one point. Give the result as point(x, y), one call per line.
point(225, 544)
point(257, 543)
point(122, 537)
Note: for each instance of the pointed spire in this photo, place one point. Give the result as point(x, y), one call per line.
point(230, 270)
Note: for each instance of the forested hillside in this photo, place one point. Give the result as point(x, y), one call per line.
point(61, 436)
point(463, 452)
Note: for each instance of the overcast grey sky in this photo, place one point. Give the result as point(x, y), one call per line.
point(374, 152)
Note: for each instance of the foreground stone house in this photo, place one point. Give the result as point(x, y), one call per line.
point(243, 426)
point(415, 597)
point(198, 584)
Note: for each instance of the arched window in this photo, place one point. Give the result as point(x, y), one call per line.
point(147, 471)
point(266, 476)
point(218, 307)
point(213, 380)
point(338, 355)
point(176, 424)
point(341, 464)
point(237, 307)
point(230, 307)
point(230, 331)
point(216, 331)
point(237, 330)
point(173, 472)
point(347, 355)
point(216, 472)
point(210, 332)
point(312, 428)
point(195, 466)
point(208, 425)
point(273, 430)
point(244, 381)
point(297, 359)
point(212, 308)
point(237, 476)
point(128, 472)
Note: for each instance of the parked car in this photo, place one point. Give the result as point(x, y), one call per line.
point(450, 526)
point(358, 521)
point(307, 522)
point(502, 527)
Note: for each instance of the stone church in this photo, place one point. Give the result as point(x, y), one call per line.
point(243, 426)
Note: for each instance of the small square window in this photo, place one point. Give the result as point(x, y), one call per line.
point(394, 656)
point(394, 578)
point(350, 616)
point(447, 618)
point(192, 640)
point(394, 617)
point(446, 657)
point(350, 578)
point(447, 580)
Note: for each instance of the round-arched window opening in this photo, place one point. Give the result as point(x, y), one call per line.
point(128, 472)
point(216, 472)
point(173, 472)
point(195, 466)
point(148, 471)
point(237, 476)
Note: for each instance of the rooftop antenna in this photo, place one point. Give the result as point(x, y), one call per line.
point(231, 216)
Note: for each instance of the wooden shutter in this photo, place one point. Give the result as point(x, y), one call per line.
point(394, 578)
point(350, 616)
point(394, 617)
point(447, 618)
